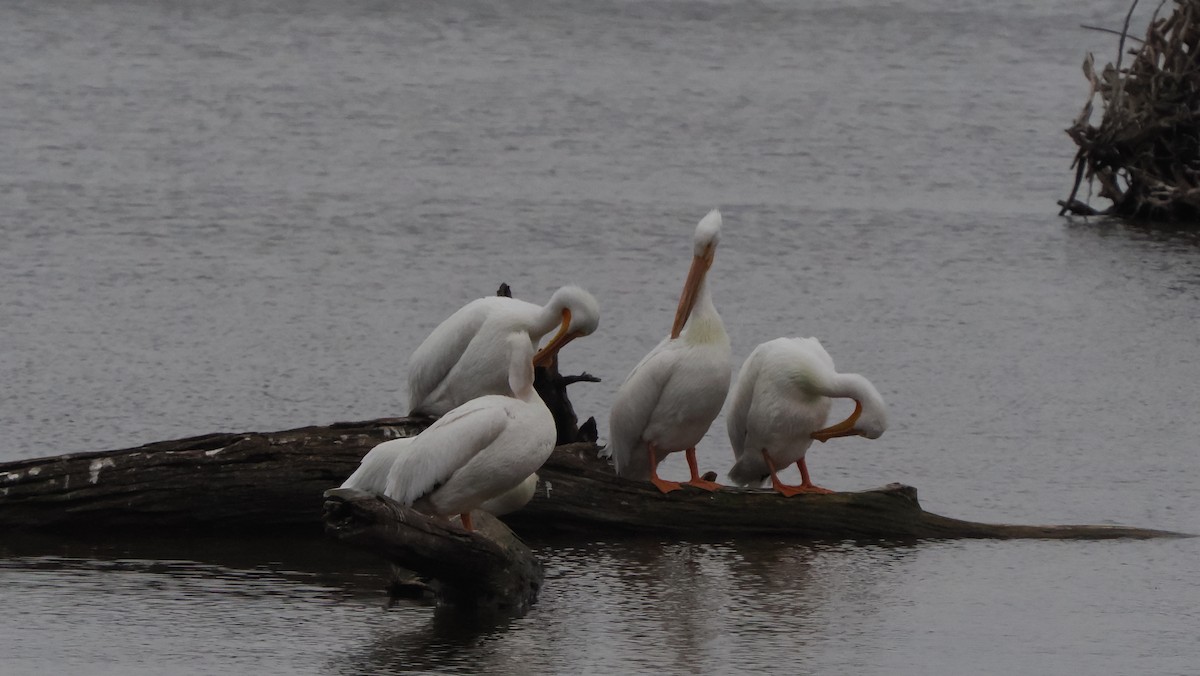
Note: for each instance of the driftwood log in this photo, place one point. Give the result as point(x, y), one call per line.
point(234, 483)
point(488, 570)
point(579, 491)
point(262, 482)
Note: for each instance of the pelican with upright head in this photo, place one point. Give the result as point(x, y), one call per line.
point(780, 405)
point(672, 396)
point(466, 356)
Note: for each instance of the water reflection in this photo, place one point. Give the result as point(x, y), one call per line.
point(1183, 234)
point(289, 559)
point(630, 606)
point(652, 606)
point(446, 642)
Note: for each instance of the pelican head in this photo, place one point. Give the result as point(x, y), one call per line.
point(869, 418)
point(704, 248)
point(580, 317)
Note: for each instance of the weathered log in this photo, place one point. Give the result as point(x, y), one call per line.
point(488, 570)
point(261, 482)
point(578, 489)
point(235, 483)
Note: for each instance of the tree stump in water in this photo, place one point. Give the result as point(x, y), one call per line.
point(1145, 151)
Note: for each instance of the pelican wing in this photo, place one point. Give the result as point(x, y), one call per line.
point(450, 443)
point(634, 406)
point(743, 399)
point(372, 472)
point(433, 359)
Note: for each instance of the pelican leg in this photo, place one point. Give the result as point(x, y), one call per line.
point(805, 482)
point(662, 484)
point(806, 485)
point(466, 521)
point(695, 469)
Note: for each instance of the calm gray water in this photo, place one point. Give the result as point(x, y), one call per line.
point(233, 216)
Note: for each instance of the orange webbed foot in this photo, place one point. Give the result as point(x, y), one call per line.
point(786, 490)
point(664, 485)
point(789, 491)
point(697, 480)
point(704, 484)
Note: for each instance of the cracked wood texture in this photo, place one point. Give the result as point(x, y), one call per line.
point(260, 482)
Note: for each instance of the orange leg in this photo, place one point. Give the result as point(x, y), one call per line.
point(806, 484)
point(466, 521)
point(662, 484)
point(696, 480)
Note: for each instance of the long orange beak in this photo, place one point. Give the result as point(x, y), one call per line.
point(564, 336)
point(691, 287)
point(842, 429)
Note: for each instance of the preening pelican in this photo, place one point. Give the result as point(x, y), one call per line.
point(673, 395)
point(480, 449)
point(466, 356)
point(372, 475)
point(780, 404)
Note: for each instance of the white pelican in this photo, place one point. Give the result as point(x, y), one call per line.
point(466, 356)
point(480, 449)
point(372, 474)
point(513, 499)
point(673, 395)
point(780, 403)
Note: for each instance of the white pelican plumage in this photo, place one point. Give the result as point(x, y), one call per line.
point(513, 499)
point(673, 395)
point(372, 475)
point(466, 356)
point(479, 450)
point(780, 405)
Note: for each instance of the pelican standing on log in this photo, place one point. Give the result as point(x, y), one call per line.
point(780, 405)
point(479, 450)
point(466, 356)
point(673, 395)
